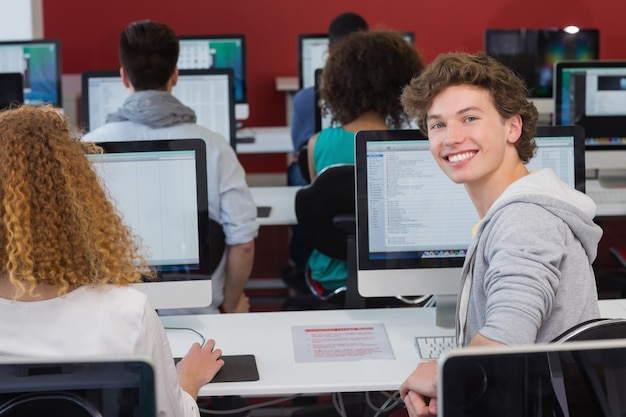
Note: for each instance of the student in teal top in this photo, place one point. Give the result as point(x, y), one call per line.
point(361, 85)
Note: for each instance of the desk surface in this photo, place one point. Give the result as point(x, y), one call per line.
point(268, 336)
point(281, 200)
point(266, 140)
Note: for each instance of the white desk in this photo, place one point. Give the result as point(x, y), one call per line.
point(266, 140)
point(605, 209)
point(281, 200)
point(268, 337)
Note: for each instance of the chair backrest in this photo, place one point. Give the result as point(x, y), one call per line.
point(303, 163)
point(87, 387)
point(217, 244)
point(331, 194)
point(596, 329)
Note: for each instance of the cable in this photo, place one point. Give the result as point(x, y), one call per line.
point(250, 407)
point(339, 404)
point(390, 403)
point(189, 329)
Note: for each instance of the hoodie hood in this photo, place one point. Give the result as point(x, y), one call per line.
point(544, 188)
point(153, 108)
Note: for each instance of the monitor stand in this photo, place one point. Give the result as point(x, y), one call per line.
point(445, 310)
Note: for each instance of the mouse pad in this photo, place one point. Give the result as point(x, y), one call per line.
point(237, 368)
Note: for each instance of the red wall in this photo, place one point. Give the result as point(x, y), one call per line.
point(88, 30)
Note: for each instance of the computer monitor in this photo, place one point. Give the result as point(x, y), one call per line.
point(208, 92)
point(592, 94)
point(160, 189)
point(414, 224)
point(219, 51)
point(11, 89)
point(533, 52)
point(39, 61)
point(574, 379)
point(107, 387)
point(313, 51)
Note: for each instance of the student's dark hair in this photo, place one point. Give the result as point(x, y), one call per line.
point(507, 90)
point(344, 24)
point(366, 71)
point(148, 54)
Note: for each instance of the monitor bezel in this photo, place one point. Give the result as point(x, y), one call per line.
point(558, 93)
point(240, 37)
point(59, 75)
point(199, 148)
point(87, 75)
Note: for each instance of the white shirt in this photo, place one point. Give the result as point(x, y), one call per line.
point(105, 321)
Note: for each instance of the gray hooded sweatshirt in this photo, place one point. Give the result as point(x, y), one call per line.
point(528, 276)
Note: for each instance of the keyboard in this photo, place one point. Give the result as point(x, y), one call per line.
point(433, 347)
point(608, 195)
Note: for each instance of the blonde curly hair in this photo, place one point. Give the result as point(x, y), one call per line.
point(58, 226)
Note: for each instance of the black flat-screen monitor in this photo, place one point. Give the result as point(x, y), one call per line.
point(414, 224)
point(219, 51)
point(592, 94)
point(533, 52)
point(313, 51)
point(208, 92)
point(574, 379)
point(160, 189)
point(39, 61)
point(11, 89)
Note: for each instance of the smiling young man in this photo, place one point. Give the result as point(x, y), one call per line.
point(527, 275)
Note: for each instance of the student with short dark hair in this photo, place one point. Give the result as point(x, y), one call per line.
point(148, 54)
point(527, 275)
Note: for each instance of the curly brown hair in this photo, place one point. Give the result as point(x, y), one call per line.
point(58, 226)
point(366, 71)
point(508, 92)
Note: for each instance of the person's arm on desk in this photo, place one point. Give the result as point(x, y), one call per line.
point(198, 367)
point(238, 268)
point(419, 391)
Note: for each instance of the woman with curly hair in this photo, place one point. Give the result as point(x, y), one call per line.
point(67, 261)
point(361, 85)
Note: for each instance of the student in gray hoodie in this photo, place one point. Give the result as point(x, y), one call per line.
point(527, 276)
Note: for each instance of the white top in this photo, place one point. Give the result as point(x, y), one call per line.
point(105, 321)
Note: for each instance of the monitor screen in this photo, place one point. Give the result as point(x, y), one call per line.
point(39, 61)
point(312, 54)
point(207, 92)
point(533, 52)
point(413, 223)
point(11, 89)
point(106, 387)
point(218, 51)
point(159, 187)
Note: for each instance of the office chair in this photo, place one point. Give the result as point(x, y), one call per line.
point(49, 404)
point(595, 329)
point(303, 163)
point(326, 215)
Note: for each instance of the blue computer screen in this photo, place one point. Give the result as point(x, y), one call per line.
point(39, 62)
